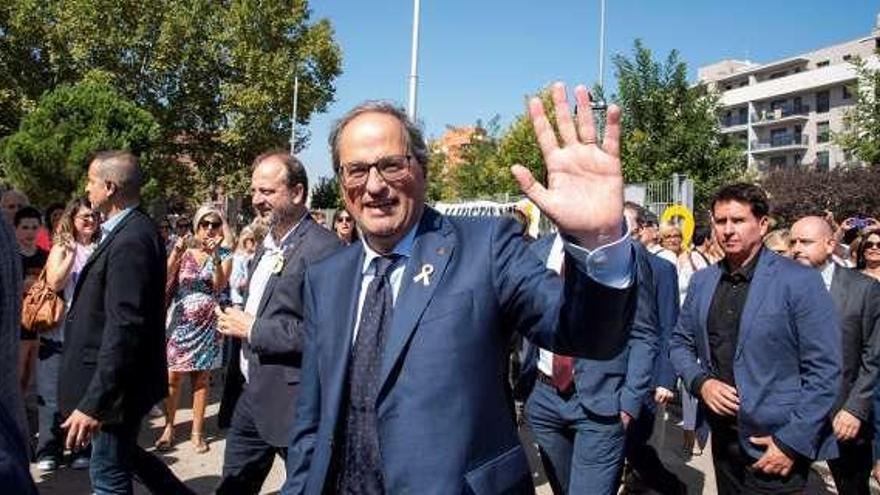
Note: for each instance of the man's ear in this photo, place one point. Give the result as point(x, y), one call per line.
point(299, 194)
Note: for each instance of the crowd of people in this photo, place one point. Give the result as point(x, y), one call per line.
point(371, 354)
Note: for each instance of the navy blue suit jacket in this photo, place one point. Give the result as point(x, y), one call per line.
point(621, 383)
point(787, 363)
point(443, 418)
point(666, 288)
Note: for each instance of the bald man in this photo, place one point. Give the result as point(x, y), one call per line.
point(857, 298)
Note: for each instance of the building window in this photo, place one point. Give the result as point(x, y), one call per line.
point(778, 162)
point(824, 63)
point(823, 132)
point(797, 159)
point(823, 103)
point(845, 92)
point(822, 161)
point(777, 75)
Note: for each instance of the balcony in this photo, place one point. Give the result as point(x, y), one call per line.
point(781, 142)
point(780, 115)
point(734, 123)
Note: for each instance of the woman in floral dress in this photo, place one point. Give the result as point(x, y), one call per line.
point(198, 272)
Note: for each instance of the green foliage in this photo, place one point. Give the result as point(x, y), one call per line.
point(861, 135)
point(325, 194)
point(217, 76)
point(48, 155)
point(670, 126)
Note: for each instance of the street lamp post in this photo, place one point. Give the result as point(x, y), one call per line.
point(601, 105)
point(293, 116)
point(414, 64)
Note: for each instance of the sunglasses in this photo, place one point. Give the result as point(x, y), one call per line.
point(344, 219)
point(206, 224)
point(871, 245)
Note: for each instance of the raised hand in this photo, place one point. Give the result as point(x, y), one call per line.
point(584, 193)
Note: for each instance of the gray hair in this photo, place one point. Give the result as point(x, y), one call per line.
point(415, 142)
point(122, 169)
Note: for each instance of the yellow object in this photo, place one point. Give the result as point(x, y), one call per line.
point(687, 226)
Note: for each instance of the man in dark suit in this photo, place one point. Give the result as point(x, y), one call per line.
point(645, 466)
point(14, 474)
point(857, 298)
point(758, 339)
point(403, 387)
point(269, 340)
point(113, 365)
point(580, 409)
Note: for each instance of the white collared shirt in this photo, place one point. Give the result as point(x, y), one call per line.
point(110, 224)
point(554, 262)
point(272, 251)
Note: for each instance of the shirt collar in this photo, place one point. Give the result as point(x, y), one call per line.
point(112, 222)
point(271, 246)
point(745, 272)
point(403, 248)
point(827, 271)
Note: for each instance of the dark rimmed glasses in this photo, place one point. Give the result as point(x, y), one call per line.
point(392, 168)
point(871, 245)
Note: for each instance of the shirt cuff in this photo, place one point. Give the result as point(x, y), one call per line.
point(610, 265)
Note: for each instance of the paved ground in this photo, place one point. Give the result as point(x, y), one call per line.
point(201, 472)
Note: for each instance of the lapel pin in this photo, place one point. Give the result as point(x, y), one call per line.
point(425, 274)
point(279, 264)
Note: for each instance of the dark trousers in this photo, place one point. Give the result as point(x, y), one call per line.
point(248, 458)
point(116, 457)
point(733, 473)
point(581, 452)
point(643, 458)
point(852, 470)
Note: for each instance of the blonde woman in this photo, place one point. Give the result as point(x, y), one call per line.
point(198, 269)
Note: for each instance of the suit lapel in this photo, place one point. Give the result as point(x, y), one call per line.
point(758, 288)
point(289, 252)
point(434, 245)
point(102, 246)
point(838, 289)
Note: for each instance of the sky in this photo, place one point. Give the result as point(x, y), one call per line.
point(481, 58)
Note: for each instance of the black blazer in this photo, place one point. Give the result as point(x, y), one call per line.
point(857, 298)
point(113, 365)
point(277, 341)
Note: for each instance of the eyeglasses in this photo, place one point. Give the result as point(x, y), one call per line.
point(871, 245)
point(391, 168)
point(207, 224)
point(87, 216)
point(343, 219)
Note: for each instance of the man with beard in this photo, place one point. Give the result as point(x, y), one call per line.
point(263, 375)
point(857, 298)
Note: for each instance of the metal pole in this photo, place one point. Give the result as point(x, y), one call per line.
point(602, 44)
point(414, 63)
point(293, 117)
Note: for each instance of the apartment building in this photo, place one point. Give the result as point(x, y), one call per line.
point(783, 112)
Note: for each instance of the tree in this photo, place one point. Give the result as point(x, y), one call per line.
point(216, 75)
point(48, 155)
point(670, 126)
point(861, 135)
point(325, 195)
point(844, 191)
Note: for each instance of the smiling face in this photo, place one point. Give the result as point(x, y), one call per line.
point(385, 211)
point(872, 249)
point(272, 197)
point(85, 222)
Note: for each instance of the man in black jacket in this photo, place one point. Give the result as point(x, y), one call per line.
point(264, 372)
point(857, 298)
point(114, 366)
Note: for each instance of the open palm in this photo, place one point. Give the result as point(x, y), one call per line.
point(584, 193)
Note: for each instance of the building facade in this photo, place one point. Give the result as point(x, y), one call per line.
point(784, 112)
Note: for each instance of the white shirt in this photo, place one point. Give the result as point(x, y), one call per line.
point(664, 253)
point(554, 262)
point(272, 251)
point(827, 272)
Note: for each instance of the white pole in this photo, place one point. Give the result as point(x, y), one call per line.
point(293, 116)
point(602, 44)
point(414, 63)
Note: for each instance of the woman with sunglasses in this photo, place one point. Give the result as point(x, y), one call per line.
point(76, 234)
point(198, 272)
point(343, 225)
point(868, 253)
